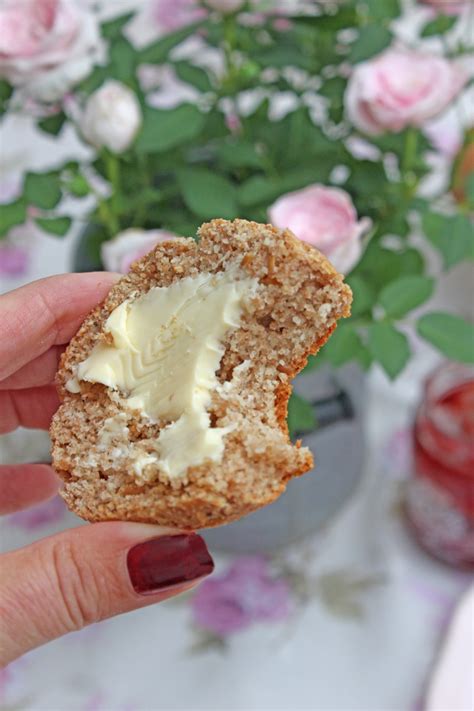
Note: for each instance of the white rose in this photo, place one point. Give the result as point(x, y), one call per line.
point(112, 117)
point(47, 46)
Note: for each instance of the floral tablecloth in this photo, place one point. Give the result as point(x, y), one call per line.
point(349, 620)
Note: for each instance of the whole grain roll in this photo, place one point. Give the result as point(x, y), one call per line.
point(296, 299)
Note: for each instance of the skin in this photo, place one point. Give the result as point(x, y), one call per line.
point(50, 588)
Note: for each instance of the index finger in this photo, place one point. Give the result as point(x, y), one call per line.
point(44, 313)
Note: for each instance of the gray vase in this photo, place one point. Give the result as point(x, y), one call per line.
point(311, 500)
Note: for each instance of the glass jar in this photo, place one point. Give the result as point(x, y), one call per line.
point(440, 494)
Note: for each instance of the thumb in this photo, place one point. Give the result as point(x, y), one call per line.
point(77, 577)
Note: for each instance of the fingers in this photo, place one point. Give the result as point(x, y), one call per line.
point(40, 371)
point(45, 313)
point(87, 574)
point(24, 485)
point(33, 407)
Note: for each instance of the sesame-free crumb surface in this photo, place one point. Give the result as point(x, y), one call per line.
point(299, 298)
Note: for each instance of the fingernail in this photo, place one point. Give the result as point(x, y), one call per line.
point(167, 562)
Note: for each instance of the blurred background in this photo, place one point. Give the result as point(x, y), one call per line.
point(352, 123)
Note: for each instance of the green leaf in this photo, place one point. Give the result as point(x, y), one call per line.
point(57, 226)
point(123, 60)
point(53, 124)
point(343, 345)
point(12, 214)
point(301, 417)
point(280, 56)
point(6, 90)
point(95, 79)
point(158, 52)
point(451, 335)
point(111, 29)
point(389, 347)
point(195, 76)
point(383, 9)
point(404, 294)
point(333, 90)
point(470, 190)
point(239, 154)
point(260, 189)
point(380, 266)
point(372, 40)
point(208, 194)
point(441, 24)
point(42, 189)
point(165, 129)
point(453, 236)
point(363, 292)
point(78, 186)
point(344, 17)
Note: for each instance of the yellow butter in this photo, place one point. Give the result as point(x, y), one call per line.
point(167, 346)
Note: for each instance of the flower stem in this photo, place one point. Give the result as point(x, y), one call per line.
point(112, 167)
point(410, 179)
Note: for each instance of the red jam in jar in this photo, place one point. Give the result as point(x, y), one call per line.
point(440, 495)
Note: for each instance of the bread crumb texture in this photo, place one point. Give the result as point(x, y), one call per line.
point(96, 440)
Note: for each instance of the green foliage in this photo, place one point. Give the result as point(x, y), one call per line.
point(470, 191)
point(43, 189)
point(389, 347)
point(344, 345)
point(57, 226)
point(207, 194)
point(451, 335)
point(158, 52)
point(301, 417)
point(113, 28)
point(452, 235)
point(123, 60)
point(380, 266)
point(195, 76)
point(372, 40)
point(364, 295)
point(6, 90)
point(442, 23)
point(11, 215)
point(383, 10)
point(402, 295)
point(53, 124)
point(164, 129)
point(187, 165)
point(78, 186)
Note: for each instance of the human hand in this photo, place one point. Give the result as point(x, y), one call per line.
point(83, 575)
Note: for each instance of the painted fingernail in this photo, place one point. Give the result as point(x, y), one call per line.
point(168, 562)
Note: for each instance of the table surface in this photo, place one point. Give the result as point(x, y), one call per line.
point(364, 637)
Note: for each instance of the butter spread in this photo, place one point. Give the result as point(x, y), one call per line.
point(165, 348)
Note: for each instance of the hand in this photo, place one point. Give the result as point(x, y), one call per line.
point(86, 574)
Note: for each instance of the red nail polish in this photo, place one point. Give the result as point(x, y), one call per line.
point(167, 562)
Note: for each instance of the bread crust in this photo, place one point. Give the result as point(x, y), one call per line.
point(299, 299)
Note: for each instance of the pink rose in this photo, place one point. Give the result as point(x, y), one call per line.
point(119, 253)
point(170, 15)
point(401, 88)
point(327, 219)
point(447, 7)
point(46, 46)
